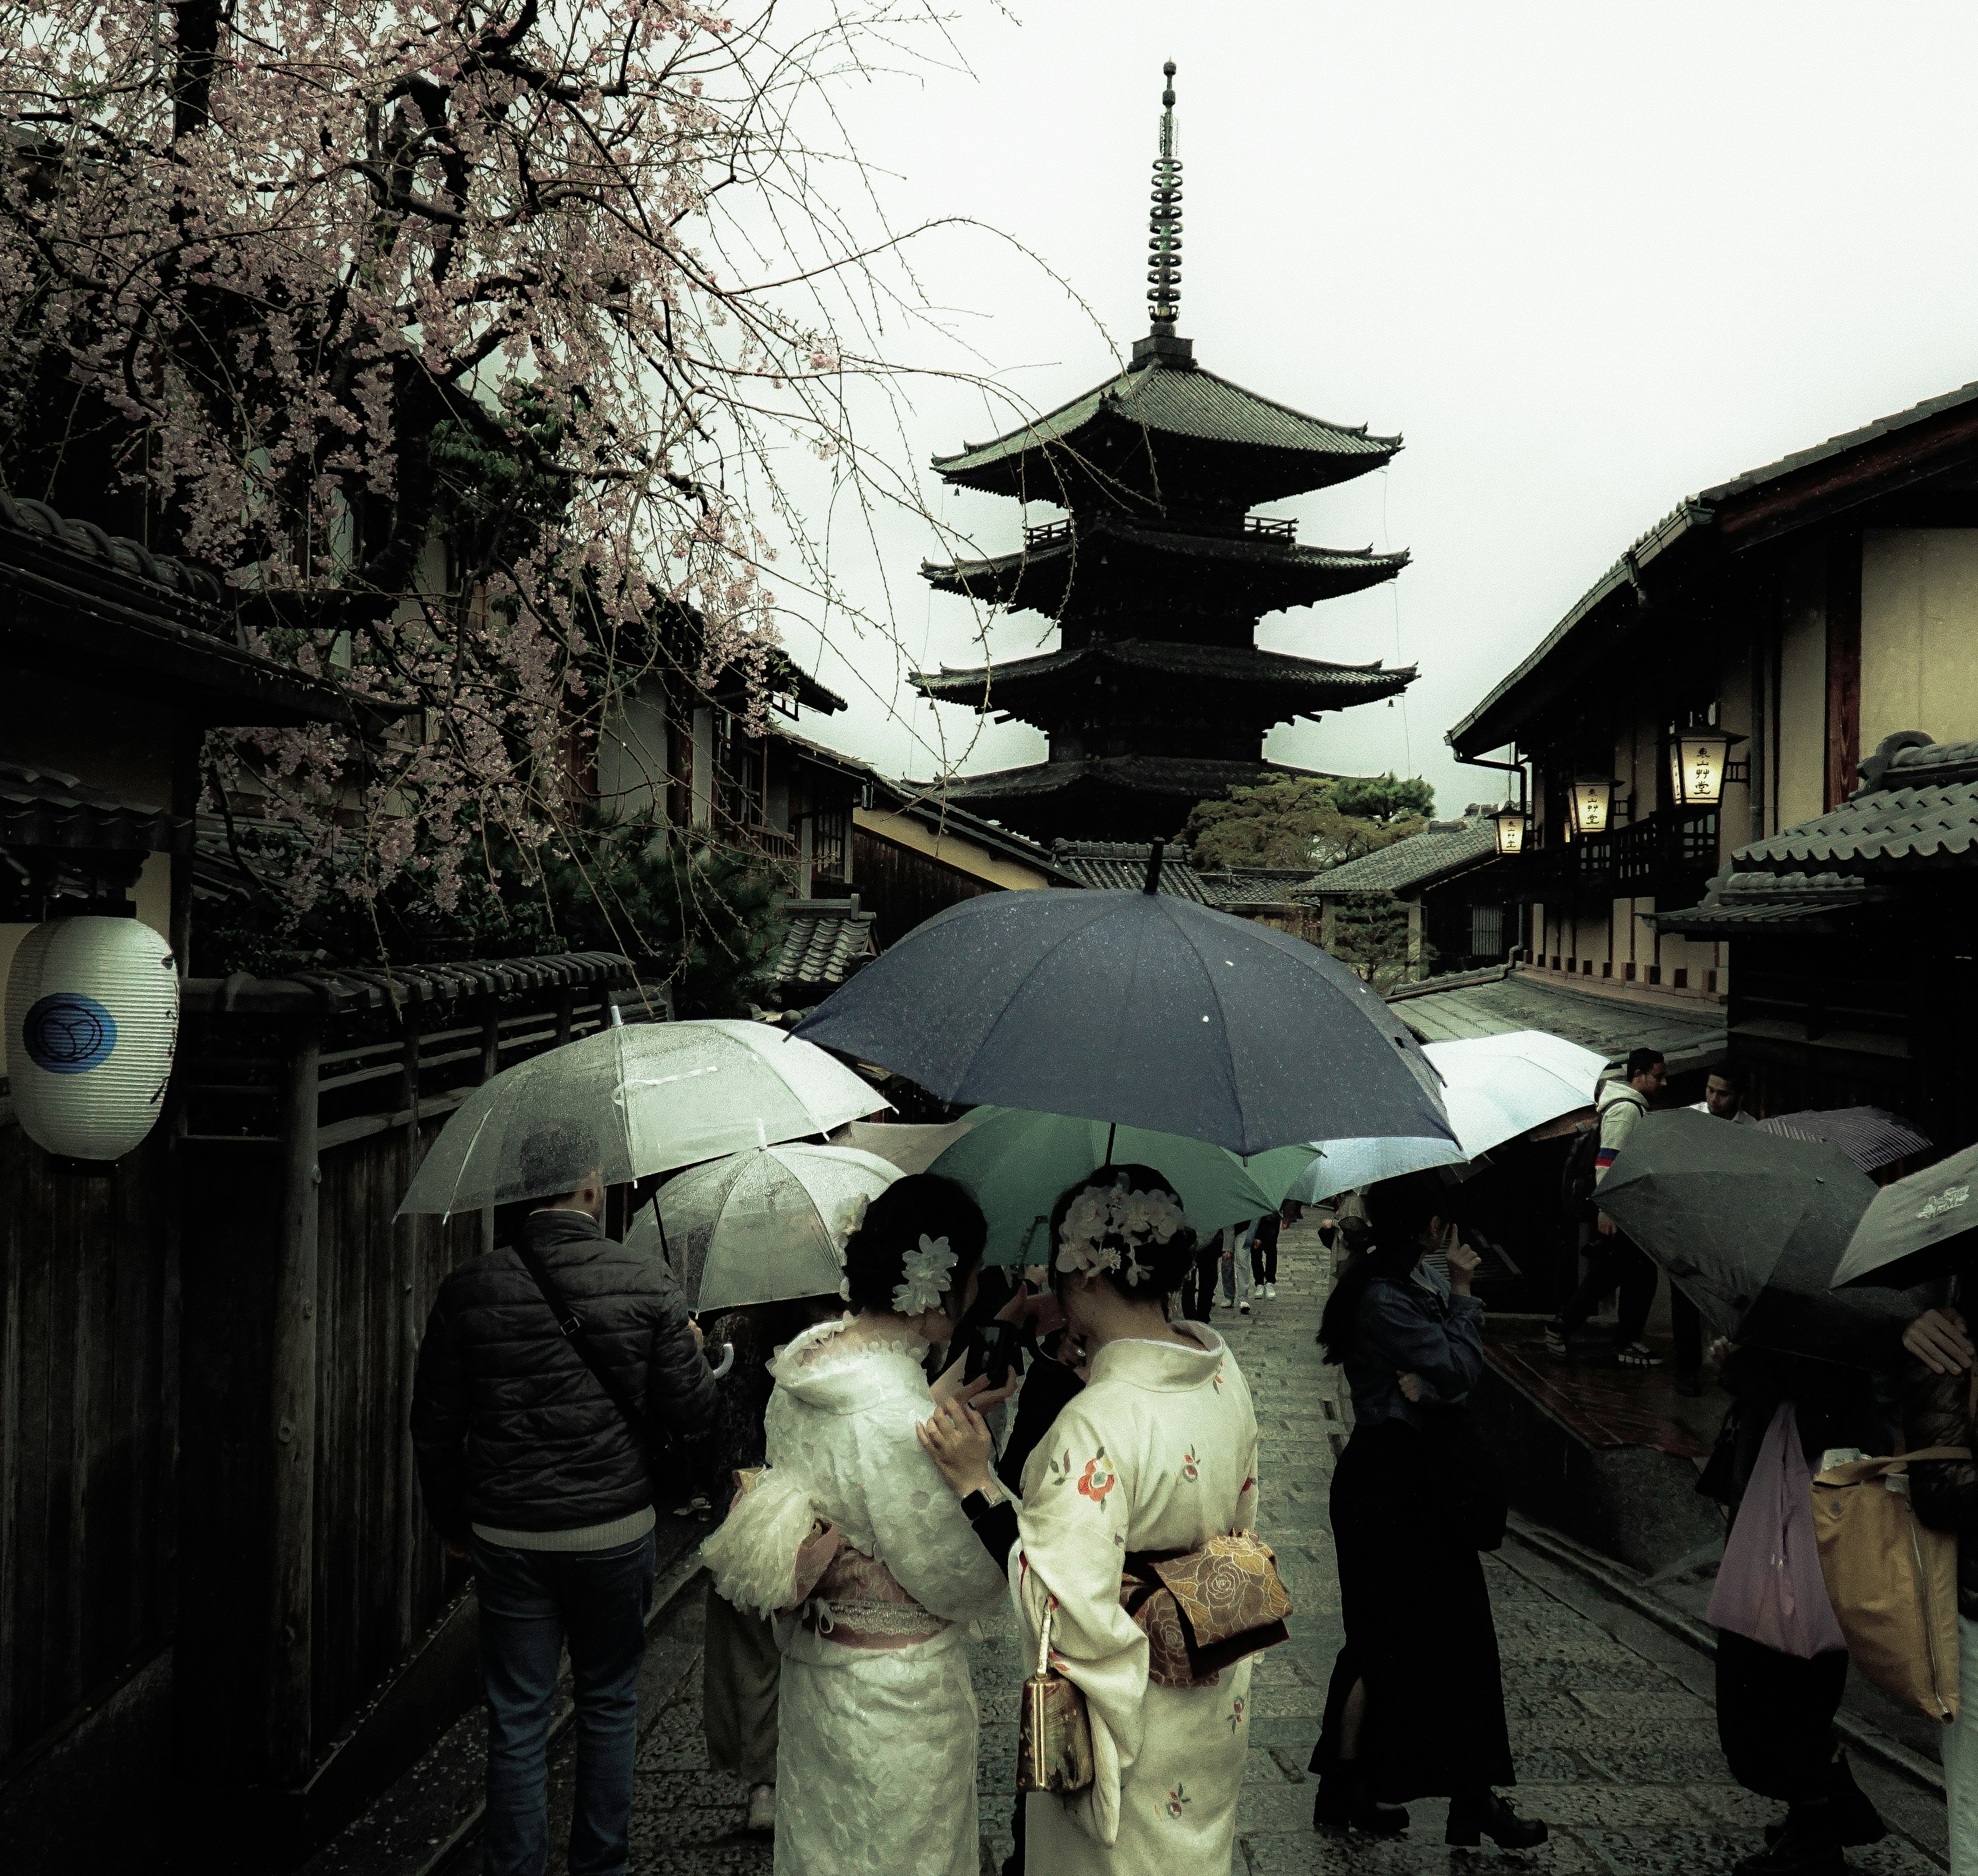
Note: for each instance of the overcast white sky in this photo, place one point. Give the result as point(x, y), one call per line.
point(1585, 258)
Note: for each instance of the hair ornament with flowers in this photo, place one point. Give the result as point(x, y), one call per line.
point(925, 1270)
point(1107, 1229)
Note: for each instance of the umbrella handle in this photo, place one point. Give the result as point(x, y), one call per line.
point(727, 1360)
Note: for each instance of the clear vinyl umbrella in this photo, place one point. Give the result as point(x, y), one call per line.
point(634, 1100)
point(1495, 1089)
point(762, 1226)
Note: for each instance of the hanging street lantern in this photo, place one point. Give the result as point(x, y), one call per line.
point(92, 1019)
point(1699, 766)
point(1510, 830)
point(1593, 796)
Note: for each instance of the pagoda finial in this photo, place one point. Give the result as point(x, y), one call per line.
point(1164, 249)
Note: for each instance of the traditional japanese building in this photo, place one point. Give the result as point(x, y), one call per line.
point(1159, 695)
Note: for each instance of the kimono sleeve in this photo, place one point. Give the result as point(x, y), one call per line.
point(920, 1532)
point(1073, 1533)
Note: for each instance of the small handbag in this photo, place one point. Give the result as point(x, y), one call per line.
point(1054, 1740)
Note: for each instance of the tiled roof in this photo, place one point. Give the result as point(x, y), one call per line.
point(1308, 683)
point(1235, 888)
point(119, 551)
point(1743, 901)
point(827, 940)
point(1493, 1002)
point(1918, 807)
point(46, 807)
point(1441, 848)
point(1693, 524)
point(1184, 402)
point(1121, 866)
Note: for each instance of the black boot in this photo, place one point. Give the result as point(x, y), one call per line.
point(1807, 1844)
point(1344, 1803)
point(1856, 1820)
point(1474, 1816)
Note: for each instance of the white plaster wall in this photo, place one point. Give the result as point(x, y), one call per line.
point(632, 752)
point(1919, 634)
point(1799, 791)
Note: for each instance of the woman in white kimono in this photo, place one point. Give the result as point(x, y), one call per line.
point(1158, 1452)
point(876, 1761)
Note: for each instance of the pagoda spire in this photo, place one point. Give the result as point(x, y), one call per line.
point(1164, 224)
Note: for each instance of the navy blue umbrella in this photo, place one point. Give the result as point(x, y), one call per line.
point(1140, 1008)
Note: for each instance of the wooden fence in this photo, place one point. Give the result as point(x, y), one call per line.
point(204, 1389)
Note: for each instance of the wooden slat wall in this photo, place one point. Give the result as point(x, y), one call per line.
point(372, 1310)
point(88, 1301)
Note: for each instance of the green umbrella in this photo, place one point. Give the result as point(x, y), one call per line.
point(1015, 1164)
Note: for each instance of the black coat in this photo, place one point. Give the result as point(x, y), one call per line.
point(511, 1430)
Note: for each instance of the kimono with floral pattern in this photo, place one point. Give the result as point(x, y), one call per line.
point(1159, 1453)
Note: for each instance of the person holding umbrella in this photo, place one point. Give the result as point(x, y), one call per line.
point(1413, 1501)
point(530, 1465)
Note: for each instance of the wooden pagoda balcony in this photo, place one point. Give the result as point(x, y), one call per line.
point(1252, 527)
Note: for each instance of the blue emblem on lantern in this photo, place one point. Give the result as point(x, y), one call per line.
point(68, 1034)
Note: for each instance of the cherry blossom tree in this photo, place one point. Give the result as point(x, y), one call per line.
point(332, 260)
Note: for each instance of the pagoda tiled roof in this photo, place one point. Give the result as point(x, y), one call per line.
point(1302, 684)
point(1185, 777)
point(1181, 401)
point(1275, 572)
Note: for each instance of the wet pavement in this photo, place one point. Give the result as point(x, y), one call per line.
point(1610, 1713)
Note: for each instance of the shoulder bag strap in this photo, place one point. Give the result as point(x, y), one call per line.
point(647, 1437)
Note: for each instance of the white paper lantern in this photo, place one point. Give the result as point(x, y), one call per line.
point(92, 1018)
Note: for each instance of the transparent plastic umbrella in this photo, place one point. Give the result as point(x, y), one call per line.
point(762, 1226)
point(1494, 1088)
point(634, 1100)
point(1016, 1164)
point(911, 1148)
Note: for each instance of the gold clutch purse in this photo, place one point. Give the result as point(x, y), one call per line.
point(1054, 1744)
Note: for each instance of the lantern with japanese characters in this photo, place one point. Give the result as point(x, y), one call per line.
point(1592, 796)
point(92, 1019)
point(1698, 763)
point(1510, 830)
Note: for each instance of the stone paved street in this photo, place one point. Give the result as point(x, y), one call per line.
point(1611, 1717)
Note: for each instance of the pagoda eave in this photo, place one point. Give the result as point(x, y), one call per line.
point(1273, 685)
point(1105, 797)
point(1275, 574)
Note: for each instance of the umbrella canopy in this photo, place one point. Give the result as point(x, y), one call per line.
point(764, 1226)
point(1015, 1165)
point(1917, 1228)
point(634, 1101)
point(913, 1149)
point(1137, 1007)
point(1494, 1088)
point(1871, 1137)
point(1752, 1224)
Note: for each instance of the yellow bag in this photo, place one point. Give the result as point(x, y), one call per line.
point(1892, 1580)
point(1055, 1730)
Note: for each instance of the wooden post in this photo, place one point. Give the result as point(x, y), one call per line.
point(292, 1504)
point(566, 1013)
point(409, 1325)
point(490, 1067)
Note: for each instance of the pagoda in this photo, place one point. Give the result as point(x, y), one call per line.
point(1159, 695)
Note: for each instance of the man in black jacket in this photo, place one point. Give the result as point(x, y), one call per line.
point(527, 1467)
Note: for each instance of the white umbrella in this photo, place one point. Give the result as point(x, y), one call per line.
point(911, 1148)
point(1495, 1089)
point(765, 1225)
point(642, 1099)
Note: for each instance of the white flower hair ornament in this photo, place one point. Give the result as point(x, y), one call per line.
point(853, 1216)
point(924, 1271)
point(1101, 1229)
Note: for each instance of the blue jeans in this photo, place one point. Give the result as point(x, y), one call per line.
point(532, 1601)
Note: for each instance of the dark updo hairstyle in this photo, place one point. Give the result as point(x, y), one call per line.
point(922, 1205)
point(1398, 1212)
point(1162, 1268)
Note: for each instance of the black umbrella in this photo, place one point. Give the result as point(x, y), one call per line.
point(1141, 1008)
point(1752, 1225)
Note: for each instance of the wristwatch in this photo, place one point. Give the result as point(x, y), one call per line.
point(978, 1504)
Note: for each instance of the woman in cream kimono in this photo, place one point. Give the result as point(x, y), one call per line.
point(876, 1761)
point(1159, 1453)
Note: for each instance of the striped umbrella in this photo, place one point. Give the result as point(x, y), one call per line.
point(1871, 1137)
